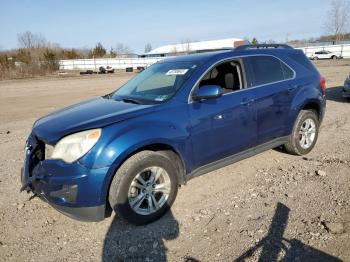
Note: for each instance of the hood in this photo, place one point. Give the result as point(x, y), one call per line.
point(93, 113)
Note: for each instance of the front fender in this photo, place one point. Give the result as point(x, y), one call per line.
point(121, 139)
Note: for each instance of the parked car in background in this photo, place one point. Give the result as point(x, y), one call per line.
point(346, 88)
point(106, 70)
point(182, 117)
point(324, 54)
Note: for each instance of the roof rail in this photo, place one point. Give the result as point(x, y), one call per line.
point(246, 47)
point(211, 50)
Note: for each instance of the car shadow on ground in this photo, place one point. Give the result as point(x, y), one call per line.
point(127, 242)
point(335, 94)
point(274, 247)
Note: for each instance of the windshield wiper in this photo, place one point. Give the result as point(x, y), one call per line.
point(131, 100)
point(108, 96)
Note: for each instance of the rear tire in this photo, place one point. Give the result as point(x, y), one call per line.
point(305, 133)
point(136, 192)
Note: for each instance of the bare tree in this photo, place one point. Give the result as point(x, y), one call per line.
point(186, 45)
point(112, 53)
point(270, 41)
point(338, 19)
point(148, 48)
point(122, 50)
point(31, 40)
point(174, 51)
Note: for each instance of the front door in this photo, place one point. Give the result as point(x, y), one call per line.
point(226, 125)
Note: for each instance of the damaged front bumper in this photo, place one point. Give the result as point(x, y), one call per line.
point(72, 189)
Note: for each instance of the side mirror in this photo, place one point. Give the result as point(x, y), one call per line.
point(207, 92)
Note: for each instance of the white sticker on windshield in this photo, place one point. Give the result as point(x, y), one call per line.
point(176, 72)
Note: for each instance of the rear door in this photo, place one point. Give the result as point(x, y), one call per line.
point(274, 88)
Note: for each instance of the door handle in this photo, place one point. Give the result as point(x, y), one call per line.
point(247, 102)
point(219, 117)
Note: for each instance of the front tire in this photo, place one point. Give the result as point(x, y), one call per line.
point(304, 134)
point(144, 187)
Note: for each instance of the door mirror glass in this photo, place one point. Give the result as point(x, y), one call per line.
point(207, 92)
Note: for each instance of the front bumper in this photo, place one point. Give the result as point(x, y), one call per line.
point(72, 189)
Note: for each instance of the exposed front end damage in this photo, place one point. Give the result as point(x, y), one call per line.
point(66, 187)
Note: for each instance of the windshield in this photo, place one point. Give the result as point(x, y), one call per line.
point(156, 84)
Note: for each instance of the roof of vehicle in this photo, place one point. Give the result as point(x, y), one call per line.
point(234, 52)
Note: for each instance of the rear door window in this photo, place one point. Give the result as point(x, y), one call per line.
point(267, 69)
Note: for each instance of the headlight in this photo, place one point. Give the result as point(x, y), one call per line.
point(73, 147)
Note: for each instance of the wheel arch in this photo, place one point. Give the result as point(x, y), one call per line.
point(312, 105)
point(307, 99)
point(163, 148)
point(170, 152)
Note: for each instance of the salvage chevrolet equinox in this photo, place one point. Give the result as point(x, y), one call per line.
point(130, 150)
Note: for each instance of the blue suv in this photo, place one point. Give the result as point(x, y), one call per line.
point(130, 150)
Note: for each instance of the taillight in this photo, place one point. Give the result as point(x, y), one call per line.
point(323, 84)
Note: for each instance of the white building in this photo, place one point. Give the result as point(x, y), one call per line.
point(187, 47)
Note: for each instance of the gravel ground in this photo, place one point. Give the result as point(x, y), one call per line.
point(270, 207)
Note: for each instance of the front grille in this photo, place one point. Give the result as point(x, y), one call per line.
point(37, 153)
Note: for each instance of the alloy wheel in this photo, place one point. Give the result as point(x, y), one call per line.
point(149, 190)
point(307, 133)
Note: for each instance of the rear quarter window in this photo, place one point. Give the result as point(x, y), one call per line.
point(301, 59)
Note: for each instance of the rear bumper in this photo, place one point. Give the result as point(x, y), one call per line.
point(346, 92)
point(322, 109)
point(72, 189)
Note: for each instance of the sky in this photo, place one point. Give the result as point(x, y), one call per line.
point(83, 23)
